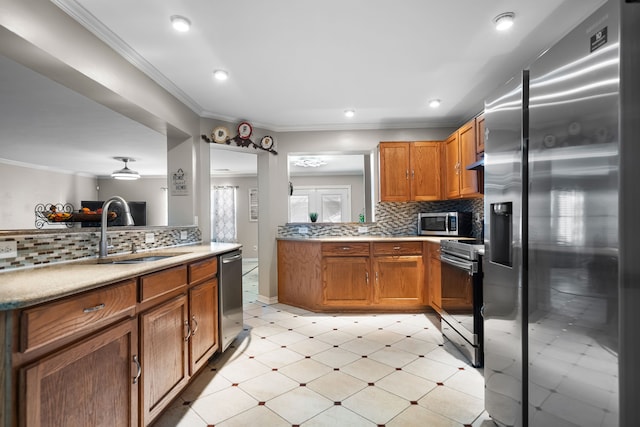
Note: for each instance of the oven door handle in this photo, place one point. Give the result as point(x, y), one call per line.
point(468, 266)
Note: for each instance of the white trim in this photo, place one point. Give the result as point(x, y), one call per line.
point(267, 300)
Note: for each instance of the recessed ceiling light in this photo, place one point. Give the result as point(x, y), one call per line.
point(434, 103)
point(349, 113)
point(504, 21)
point(180, 23)
point(221, 75)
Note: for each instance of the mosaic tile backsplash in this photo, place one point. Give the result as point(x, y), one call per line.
point(392, 219)
point(45, 248)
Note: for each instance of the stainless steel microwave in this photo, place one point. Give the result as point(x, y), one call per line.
point(445, 224)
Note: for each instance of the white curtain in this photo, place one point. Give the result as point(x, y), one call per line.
point(224, 214)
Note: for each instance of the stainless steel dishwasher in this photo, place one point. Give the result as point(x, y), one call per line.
point(230, 288)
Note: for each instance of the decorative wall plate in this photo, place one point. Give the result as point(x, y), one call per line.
point(245, 130)
point(220, 134)
point(266, 142)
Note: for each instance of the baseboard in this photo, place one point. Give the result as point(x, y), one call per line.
point(250, 259)
point(267, 300)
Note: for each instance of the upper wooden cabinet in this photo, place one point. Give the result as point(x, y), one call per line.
point(480, 134)
point(459, 152)
point(410, 171)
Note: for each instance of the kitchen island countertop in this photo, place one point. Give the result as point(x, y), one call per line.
point(372, 238)
point(26, 287)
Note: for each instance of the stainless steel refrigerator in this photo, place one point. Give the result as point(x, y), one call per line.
point(561, 279)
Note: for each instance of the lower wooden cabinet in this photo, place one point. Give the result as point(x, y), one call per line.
point(345, 281)
point(433, 280)
point(91, 383)
point(399, 281)
point(164, 333)
point(203, 316)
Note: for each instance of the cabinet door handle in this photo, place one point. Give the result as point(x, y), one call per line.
point(139, 372)
point(186, 323)
point(94, 308)
point(366, 275)
point(407, 174)
point(196, 328)
point(377, 278)
point(413, 174)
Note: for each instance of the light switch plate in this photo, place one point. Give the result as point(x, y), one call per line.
point(183, 235)
point(149, 237)
point(9, 249)
point(363, 229)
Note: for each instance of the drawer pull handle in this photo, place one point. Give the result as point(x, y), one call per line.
point(396, 248)
point(139, 372)
point(196, 327)
point(346, 248)
point(186, 323)
point(95, 308)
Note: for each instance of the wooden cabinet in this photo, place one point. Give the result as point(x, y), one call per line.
point(91, 383)
point(394, 172)
point(480, 134)
point(433, 276)
point(203, 313)
point(399, 274)
point(164, 333)
point(410, 171)
point(345, 275)
point(459, 152)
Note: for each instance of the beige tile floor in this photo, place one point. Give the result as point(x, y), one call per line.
point(292, 367)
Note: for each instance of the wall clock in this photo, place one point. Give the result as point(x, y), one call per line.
point(245, 130)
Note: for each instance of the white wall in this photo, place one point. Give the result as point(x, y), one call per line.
point(150, 190)
point(247, 230)
point(24, 187)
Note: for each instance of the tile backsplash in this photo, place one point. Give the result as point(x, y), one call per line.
point(392, 219)
point(44, 247)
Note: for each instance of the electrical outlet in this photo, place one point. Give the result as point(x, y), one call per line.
point(149, 237)
point(9, 249)
point(183, 235)
point(363, 229)
point(303, 230)
point(255, 247)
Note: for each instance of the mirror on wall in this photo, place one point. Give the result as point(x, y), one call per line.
point(335, 187)
point(55, 144)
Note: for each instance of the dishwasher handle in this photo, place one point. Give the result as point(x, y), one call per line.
point(231, 259)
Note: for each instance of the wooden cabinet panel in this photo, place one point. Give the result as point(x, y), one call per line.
point(345, 281)
point(91, 383)
point(300, 274)
point(346, 249)
point(394, 172)
point(203, 315)
point(203, 269)
point(435, 291)
point(399, 280)
point(163, 338)
point(467, 141)
point(161, 283)
point(397, 248)
point(480, 134)
point(425, 164)
point(452, 167)
point(53, 321)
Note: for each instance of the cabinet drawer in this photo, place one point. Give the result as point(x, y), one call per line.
point(162, 282)
point(49, 322)
point(346, 249)
point(203, 269)
point(397, 248)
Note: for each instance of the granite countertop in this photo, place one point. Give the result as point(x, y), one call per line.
point(22, 288)
point(370, 238)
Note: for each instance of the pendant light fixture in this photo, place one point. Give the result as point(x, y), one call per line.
point(125, 173)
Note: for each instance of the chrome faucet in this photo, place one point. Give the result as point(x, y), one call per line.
point(128, 220)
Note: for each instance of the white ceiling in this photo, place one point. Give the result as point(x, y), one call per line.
point(293, 65)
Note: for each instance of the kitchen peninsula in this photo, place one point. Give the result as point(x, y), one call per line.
point(89, 343)
point(360, 273)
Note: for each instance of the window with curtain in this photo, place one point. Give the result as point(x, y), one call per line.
point(224, 214)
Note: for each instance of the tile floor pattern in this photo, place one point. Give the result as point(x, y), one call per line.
point(293, 367)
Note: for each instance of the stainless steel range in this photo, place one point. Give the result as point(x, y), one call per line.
point(461, 283)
